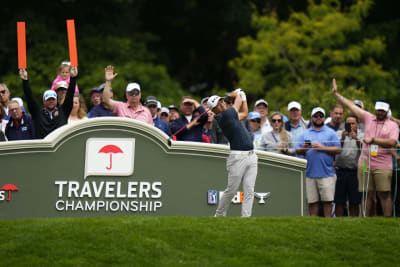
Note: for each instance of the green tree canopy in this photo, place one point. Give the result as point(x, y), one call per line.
point(297, 59)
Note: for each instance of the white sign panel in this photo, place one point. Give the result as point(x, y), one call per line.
point(109, 156)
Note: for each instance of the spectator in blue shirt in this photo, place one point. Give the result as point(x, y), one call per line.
point(319, 144)
point(152, 104)
point(98, 109)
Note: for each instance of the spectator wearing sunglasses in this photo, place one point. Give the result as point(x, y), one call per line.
point(319, 144)
point(132, 108)
point(4, 99)
point(254, 127)
point(278, 140)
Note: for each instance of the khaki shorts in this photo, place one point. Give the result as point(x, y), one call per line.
point(320, 189)
point(380, 180)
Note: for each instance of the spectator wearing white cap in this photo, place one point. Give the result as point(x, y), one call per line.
point(61, 90)
point(164, 114)
point(51, 116)
point(380, 137)
point(152, 104)
point(132, 108)
point(319, 144)
point(20, 126)
point(261, 106)
point(296, 124)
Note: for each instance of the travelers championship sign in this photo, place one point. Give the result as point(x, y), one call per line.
point(123, 167)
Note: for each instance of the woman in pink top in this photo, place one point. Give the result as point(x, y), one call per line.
point(63, 76)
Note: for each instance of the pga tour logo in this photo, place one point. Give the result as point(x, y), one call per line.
point(213, 196)
point(109, 156)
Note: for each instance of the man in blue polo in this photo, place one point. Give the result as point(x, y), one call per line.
point(319, 144)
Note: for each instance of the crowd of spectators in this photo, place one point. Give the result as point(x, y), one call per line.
point(348, 159)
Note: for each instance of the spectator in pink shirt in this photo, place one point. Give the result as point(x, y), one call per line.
point(380, 137)
point(64, 73)
point(132, 108)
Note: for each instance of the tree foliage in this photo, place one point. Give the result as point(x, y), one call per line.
point(296, 59)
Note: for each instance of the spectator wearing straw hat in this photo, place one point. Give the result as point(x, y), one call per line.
point(189, 127)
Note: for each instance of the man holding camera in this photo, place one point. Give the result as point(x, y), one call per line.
point(346, 168)
point(319, 144)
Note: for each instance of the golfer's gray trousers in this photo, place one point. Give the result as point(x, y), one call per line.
point(242, 167)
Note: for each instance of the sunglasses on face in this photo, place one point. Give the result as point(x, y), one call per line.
point(134, 93)
point(318, 116)
point(3, 92)
point(188, 104)
point(276, 120)
point(256, 120)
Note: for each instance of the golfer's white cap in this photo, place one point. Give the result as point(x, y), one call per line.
point(213, 101)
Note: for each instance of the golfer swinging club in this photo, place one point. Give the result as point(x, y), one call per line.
point(242, 161)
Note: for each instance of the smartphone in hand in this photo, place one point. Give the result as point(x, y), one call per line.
point(347, 127)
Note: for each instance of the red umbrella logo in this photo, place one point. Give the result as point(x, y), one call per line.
point(9, 188)
point(110, 149)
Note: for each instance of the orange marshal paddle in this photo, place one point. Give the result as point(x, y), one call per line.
point(21, 45)
point(73, 54)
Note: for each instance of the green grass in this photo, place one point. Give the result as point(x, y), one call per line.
point(205, 241)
